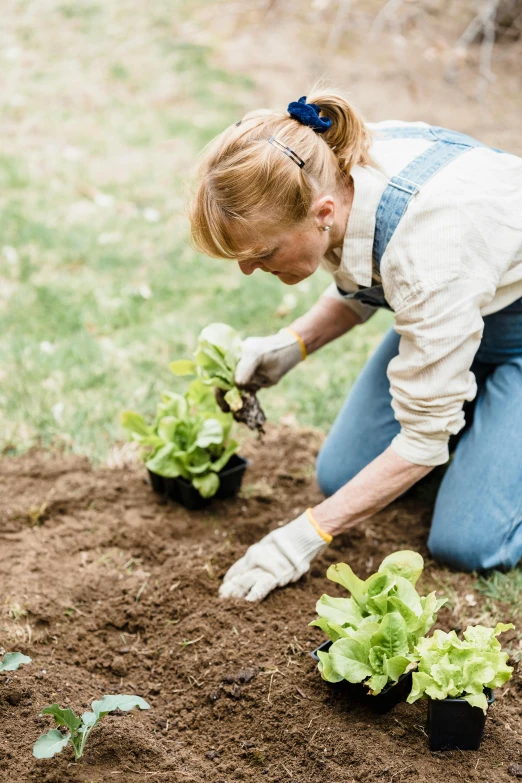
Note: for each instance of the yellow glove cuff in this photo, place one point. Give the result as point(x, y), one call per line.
point(325, 536)
point(299, 340)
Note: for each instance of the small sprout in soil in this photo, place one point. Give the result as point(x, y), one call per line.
point(12, 660)
point(47, 745)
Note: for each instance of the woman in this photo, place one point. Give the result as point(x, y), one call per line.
point(427, 223)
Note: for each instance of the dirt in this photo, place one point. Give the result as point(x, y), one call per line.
point(110, 589)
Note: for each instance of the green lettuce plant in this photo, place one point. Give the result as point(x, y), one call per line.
point(12, 660)
point(461, 668)
point(374, 632)
point(79, 729)
point(190, 437)
point(215, 360)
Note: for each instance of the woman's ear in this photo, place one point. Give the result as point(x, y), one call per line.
point(323, 210)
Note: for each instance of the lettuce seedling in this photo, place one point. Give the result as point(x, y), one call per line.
point(12, 660)
point(374, 632)
point(190, 437)
point(48, 745)
point(461, 668)
point(215, 361)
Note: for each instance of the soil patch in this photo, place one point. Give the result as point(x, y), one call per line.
point(109, 589)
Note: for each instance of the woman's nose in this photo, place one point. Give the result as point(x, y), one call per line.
point(248, 267)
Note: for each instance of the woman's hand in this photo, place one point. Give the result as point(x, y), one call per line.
point(264, 360)
point(282, 556)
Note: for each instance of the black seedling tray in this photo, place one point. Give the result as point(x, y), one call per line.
point(453, 724)
point(385, 701)
point(182, 491)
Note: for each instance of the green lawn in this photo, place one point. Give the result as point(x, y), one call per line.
point(99, 288)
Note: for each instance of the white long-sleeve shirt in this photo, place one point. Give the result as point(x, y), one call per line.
point(455, 257)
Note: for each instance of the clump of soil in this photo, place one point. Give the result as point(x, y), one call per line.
point(116, 590)
point(251, 413)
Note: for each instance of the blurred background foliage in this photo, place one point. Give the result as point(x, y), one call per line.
point(104, 109)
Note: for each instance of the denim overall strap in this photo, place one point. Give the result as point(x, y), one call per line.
point(447, 145)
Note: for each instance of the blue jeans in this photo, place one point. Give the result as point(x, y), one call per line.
point(477, 519)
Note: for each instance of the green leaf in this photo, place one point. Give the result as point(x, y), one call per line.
point(478, 700)
point(378, 588)
point(350, 659)
point(420, 681)
point(210, 432)
point(326, 668)
point(376, 683)
point(206, 485)
point(220, 463)
point(234, 399)
point(47, 745)
point(343, 611)
point(172, 404)
point(378, 660)
point(118, 702)
point(397, 665)
point(12, 660)
point(63, 717)
point(164, 463)
point(135, 423)
point(392, 635)
point(88, 719)
point(343, 575)
point(183, 367)
point(405, 563)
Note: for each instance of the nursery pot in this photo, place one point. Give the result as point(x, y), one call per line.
point(182, 491)
point(385, 701)
point(453, 724)
point(158, 482)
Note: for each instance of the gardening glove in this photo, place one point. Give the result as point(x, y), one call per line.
point(264, 360)
point(282, 556)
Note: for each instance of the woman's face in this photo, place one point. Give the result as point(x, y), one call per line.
point(295, 253)
point(292, 255)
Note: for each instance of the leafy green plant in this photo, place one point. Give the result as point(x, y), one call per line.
point(461, 668)
point(190, 437)
point(53, 742)
point(215, 361)
point(12, 660)
point(374, 632)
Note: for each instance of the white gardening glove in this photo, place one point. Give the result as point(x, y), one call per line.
point(282, 556)
point(264, 360)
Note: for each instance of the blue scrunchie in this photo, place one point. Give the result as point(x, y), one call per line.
point(308, 114)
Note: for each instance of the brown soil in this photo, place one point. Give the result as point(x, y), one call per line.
point(114, 590)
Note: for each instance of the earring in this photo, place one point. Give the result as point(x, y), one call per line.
point(325, 228)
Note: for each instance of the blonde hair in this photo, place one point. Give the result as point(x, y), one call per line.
point(245, 183)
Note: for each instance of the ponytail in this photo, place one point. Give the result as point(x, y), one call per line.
point(348, 136)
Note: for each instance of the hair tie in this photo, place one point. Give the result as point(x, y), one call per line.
point(308, 114)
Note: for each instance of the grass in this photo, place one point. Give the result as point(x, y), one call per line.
point(503, 587)
point(99, 288)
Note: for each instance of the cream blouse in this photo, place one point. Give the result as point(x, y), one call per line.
point(455, 257)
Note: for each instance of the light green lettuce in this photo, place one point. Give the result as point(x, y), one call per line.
point(190, 437)
point(375, 630)
point(461, 668)
point(215, 361)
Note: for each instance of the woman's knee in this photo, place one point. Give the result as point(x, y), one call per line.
point(468, 545)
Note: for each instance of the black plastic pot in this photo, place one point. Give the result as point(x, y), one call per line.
point(158, 483)
point(385, 701)
point(453, 724)
point(182, 491)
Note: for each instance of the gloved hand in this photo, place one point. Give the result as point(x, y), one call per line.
point(264, 360)
point(282, 556)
